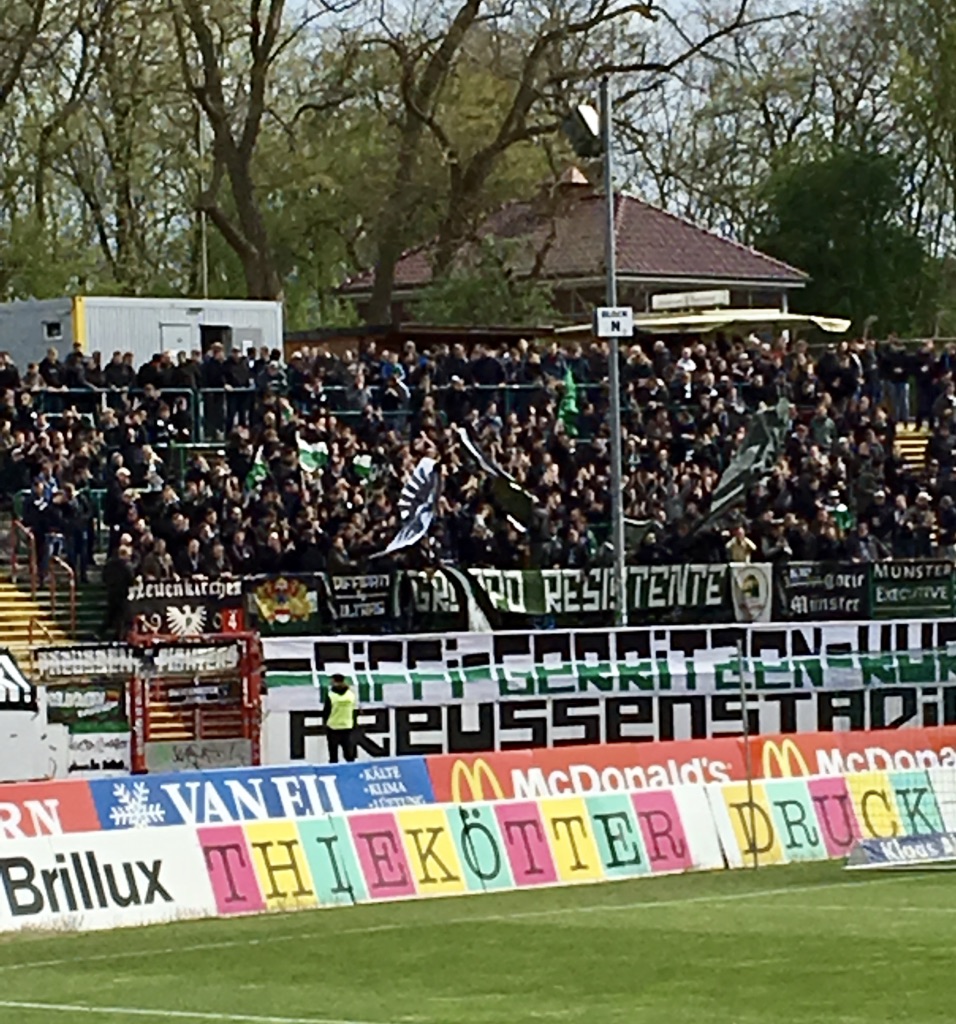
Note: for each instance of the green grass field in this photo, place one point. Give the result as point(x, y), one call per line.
point(804, 944)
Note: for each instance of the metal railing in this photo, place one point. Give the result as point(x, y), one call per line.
point(21, 533)
point(213, 411)
point(61, 564)
point(38, 625)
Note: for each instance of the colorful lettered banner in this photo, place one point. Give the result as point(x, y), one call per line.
point(781, 821)
point(221, 866)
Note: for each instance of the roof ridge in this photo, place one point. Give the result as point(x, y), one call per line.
point(687, 222)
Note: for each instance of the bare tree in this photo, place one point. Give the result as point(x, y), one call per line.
point(228, 63)
point(550, 53)
point(21, 22)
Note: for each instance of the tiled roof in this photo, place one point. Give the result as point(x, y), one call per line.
point(565, 233)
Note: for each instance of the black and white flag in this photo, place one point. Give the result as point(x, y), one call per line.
point(517, 504)
point(752, 464)
point(478, 455)
point(417, 505)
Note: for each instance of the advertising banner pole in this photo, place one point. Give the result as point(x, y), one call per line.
point(748, 757)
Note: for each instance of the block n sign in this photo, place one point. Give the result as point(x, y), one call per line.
point(614, 322)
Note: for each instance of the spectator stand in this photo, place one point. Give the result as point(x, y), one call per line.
point(157, 472)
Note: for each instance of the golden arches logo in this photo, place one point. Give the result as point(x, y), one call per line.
point(473, 777)
point(786, 756)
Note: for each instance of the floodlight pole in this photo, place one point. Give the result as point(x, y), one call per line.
point(614, 376)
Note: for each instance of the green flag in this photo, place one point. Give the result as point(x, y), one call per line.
point(259, 471)
point(362, 464)
point(568, 409)
point(312, 457)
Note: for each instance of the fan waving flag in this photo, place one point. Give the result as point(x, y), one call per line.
point(477, 454)
point(516, 502)
point(259, 471)
point(313, 457)
point(416, 506)
point(568, 409)
point(765, 440)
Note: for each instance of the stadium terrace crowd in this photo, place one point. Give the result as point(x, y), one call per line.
point(298, 467)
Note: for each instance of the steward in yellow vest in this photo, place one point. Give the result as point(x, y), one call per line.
point(338, 713)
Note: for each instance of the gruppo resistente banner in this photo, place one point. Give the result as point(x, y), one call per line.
point(144, 875)
point(482, 600)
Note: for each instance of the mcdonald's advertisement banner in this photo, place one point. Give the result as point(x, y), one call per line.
point(612, 768)
point(106, 879)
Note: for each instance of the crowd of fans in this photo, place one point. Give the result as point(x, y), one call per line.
point(247, 501)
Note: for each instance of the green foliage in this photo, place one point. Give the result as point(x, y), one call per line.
point(837, 216)
point(484, 290)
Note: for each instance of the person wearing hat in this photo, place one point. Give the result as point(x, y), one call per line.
point(338, 714)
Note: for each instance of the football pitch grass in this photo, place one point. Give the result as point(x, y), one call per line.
point(808, 944)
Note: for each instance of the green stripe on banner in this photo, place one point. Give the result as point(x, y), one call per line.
point(795, 820)
point(332, 861)
point(278, 679)
point(916, 803)
point(618, 835)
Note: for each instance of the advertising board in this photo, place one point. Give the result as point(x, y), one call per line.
point(784, 821)
point(208, 797)
point(93, 880)
point(140, 876)
point(250, 794)
point(534, 774)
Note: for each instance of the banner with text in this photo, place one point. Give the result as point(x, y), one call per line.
point(188, 607)
point(141, 876)
point(612, 768)
point(208, 797)
point(475, 668)
point(592, 721)
point(448, 599)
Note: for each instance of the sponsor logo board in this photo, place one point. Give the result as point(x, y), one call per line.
point(264, 794)
point(209, 797)
point(45, 809)
point(87, 881)
point(533, 774)
point(250, 866)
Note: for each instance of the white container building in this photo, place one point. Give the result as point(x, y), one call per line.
point(141, 326)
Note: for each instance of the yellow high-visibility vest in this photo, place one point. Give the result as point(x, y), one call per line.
point(342, 715)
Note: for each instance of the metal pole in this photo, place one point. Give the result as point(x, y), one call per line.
point(614, 381)
point(748, 757)
point(203, 223)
